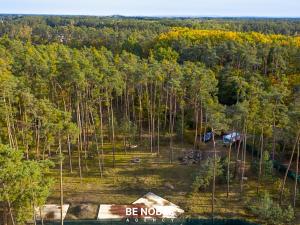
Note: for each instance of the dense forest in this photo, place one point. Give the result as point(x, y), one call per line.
point(71, 86)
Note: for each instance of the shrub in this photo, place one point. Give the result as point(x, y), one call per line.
point(267, 166)
point(266, 209)
point(204, 176)
point(277, 186)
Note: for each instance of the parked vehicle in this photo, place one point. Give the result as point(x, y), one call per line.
point(207, 137)
point(231, 138)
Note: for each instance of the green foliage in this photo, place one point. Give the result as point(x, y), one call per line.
point(267, 166)
point(277, 185)
point(216, 117)
point(204, 175)
point(166, 54)
point(81, 82)
point(23, 183)
point(128, 129)
point(266, 209)
point(225, 176)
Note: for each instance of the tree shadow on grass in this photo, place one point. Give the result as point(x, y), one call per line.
point(178, 176)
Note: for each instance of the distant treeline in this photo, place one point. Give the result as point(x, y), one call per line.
point(114, 32)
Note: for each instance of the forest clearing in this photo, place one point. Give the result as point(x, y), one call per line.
point(202, 112)
point(129, 181)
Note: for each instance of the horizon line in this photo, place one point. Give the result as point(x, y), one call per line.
point(151, 16)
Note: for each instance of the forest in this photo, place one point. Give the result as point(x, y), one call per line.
point(81, 98)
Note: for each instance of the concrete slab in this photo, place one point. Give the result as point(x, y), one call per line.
point(51, 212)
point(165, 208)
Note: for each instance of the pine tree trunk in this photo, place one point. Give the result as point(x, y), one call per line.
point(14, 136)
point(101, 134)
point(201, 121)
point(79, 143)
point(10, 213)
point(170, 125)
point(113, 134)
point(296, 178)
point(26, 140)
point(37, 139)
point(133, 110)
point(253, 146)
point(288, 168)
point(149, 110)
point(244, 160)
point(84, 133)
point(140, 117)
point(70, 153)
point(182, 126)
point(260, 158)
point(172, 130)
point(237, 158)
point(214, 177)
point(196, 126)
point(154, 114)
point(97, 145)
point(158, 127)
point(61, 180)
point(274, 139)
point(166, 109)
point(228, 170)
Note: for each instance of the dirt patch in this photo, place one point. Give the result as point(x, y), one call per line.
point(83, 211)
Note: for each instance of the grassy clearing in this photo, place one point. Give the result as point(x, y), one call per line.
point(128, 181)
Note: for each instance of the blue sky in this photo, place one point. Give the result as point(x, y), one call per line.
point(259, 8)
